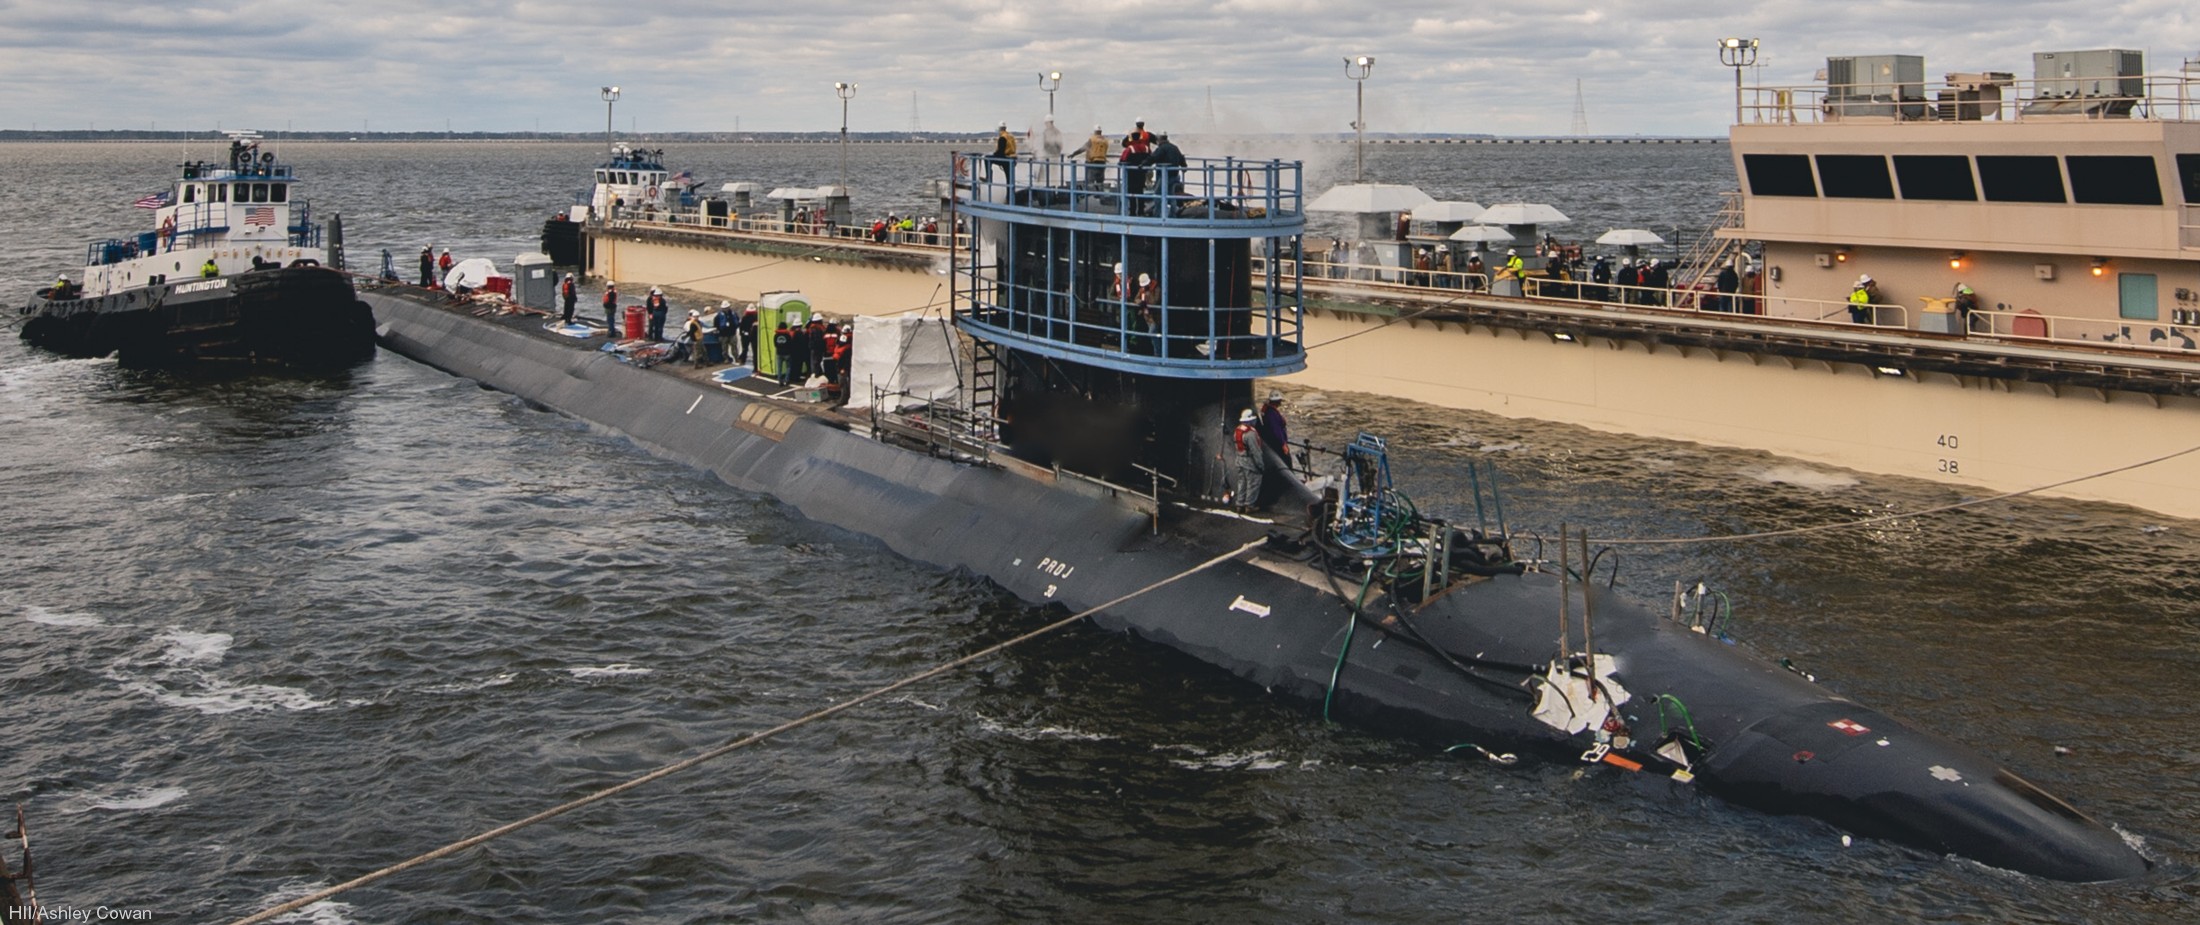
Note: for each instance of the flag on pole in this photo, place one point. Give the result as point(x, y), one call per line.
point(155, 200)
point(260, 215)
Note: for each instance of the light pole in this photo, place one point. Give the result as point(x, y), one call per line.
point(844, 91)
point(1357, 68)
point(1048, 82)
point(610, 96)
point(1737, 54)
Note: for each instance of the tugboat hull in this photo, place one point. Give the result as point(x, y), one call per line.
point(305, 315)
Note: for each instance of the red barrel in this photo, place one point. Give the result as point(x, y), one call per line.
point(636, 322)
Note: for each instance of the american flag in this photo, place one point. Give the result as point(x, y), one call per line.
point(260, 215)
point(155, 200)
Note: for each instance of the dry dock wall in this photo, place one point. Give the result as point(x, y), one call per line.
point(1992, 435)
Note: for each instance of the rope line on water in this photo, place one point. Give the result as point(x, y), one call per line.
point(721, 750)
point(1884, 518)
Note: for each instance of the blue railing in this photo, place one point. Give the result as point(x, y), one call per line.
point(1152, 269)
point(112, 250)
point(1193, 342)
point(1204, 196)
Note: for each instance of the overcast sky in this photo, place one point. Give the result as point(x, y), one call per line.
point(1645, 66)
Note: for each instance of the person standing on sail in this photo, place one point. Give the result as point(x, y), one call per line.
point(1246, 449)
point(611, 310)
point(1004, 154)
point(1137, 151)
point(1096, 159)
point(569, 293)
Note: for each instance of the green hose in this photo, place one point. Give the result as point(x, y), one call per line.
point(1351, 622)
point(1686, 718)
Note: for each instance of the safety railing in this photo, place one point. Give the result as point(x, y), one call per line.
point(1161, 335)
point(1214, 191)
point(2180, 335)
point(1986, 97)
point(803, 229)
point(1378, 275)
point(1693, 300)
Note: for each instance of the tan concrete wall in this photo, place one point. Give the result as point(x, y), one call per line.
point(836, 285)
point(1968, 431)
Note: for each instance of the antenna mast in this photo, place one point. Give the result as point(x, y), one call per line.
point(1581, 110)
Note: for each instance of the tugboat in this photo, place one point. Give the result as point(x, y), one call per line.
point(1117, 323)
point(632, 183)
point(234, 270)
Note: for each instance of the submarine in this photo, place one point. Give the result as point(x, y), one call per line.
point(1110, 335)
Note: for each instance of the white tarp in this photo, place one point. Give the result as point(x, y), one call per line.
point(1571, 704)
point(472, 273)
point(903, 353)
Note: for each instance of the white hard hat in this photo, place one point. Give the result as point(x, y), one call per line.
point(724, 304)
point(1143, 279)
point(1004, 125)
point(1245, 416)
point(1864, 280)
point(656, 291)
point(692, 313)
point(1275, 396)
point(1096, 127)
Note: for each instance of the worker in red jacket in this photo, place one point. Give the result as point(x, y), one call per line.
point(1245, 449)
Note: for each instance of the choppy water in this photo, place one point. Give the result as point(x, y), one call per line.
point(265, 634)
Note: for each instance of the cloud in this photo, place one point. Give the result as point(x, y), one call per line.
point(1644, 66)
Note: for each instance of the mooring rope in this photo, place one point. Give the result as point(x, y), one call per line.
point(740, 743)
point(1885, 518)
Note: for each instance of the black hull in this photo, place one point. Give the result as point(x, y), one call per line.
point(1457, 669)
point(306, 316)
point(561, 239)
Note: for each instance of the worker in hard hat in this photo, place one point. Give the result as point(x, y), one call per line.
point(1861, 298)
point(1096, 159)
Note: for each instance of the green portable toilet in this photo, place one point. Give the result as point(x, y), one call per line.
point(772, 308)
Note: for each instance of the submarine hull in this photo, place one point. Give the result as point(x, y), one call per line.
point(1462, 667)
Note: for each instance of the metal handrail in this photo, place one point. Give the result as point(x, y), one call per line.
point(2115, 333)
point(2147, 98)
point(1269, 329)
point(1692, 301)
point(1263, 192)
